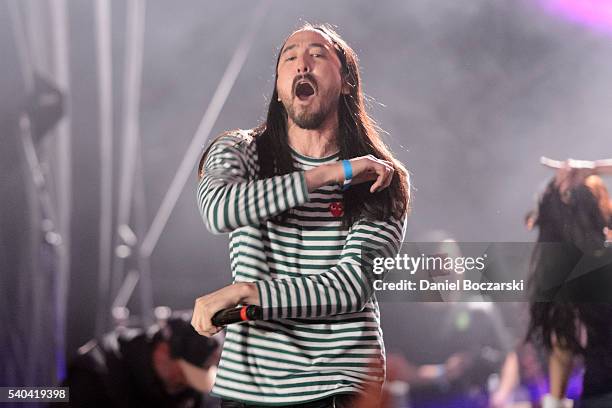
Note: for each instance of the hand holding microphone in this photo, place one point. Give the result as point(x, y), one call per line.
point(214, 310)
point(236, 315)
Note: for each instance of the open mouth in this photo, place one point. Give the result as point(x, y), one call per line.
point(304, 90)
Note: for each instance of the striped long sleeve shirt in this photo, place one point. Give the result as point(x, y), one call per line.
point(321, 329)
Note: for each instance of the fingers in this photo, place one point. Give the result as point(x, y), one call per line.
point(378, 182)
point(201, 320)
point(206, 330)
point(390, 172)
point(369, 168)
point(384, 170)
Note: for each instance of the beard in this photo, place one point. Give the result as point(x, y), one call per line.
point(307, 119)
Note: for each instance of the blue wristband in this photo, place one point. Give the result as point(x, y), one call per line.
point(348, 174)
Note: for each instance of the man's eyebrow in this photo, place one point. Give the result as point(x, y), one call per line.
point(311, 45)
point(319, 45)
point(290, 47)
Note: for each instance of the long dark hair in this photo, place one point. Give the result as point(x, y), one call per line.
point(358, 135)
point(576, 219)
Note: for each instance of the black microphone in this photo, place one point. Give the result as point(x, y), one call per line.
point(236, 314)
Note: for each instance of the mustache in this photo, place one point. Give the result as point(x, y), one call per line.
point(304, 77)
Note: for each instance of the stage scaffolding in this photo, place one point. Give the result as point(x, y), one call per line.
point(126, 239)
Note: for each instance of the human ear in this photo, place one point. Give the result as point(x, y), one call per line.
point(346, 88)
point(347, 84)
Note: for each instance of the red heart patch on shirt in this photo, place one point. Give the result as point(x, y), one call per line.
point(336, 209)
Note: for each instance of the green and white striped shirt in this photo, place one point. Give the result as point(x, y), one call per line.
point(321, 330)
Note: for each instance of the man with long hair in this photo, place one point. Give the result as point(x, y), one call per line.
point(309, 198)
point(571, 313)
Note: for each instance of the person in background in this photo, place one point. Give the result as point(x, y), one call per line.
point(453, 343)
point(450, 349)
point(168, 365)
point(574, 317)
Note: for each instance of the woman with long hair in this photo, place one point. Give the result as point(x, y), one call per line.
point(571, 310)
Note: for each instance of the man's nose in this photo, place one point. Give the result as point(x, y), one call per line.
point(303, 65)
